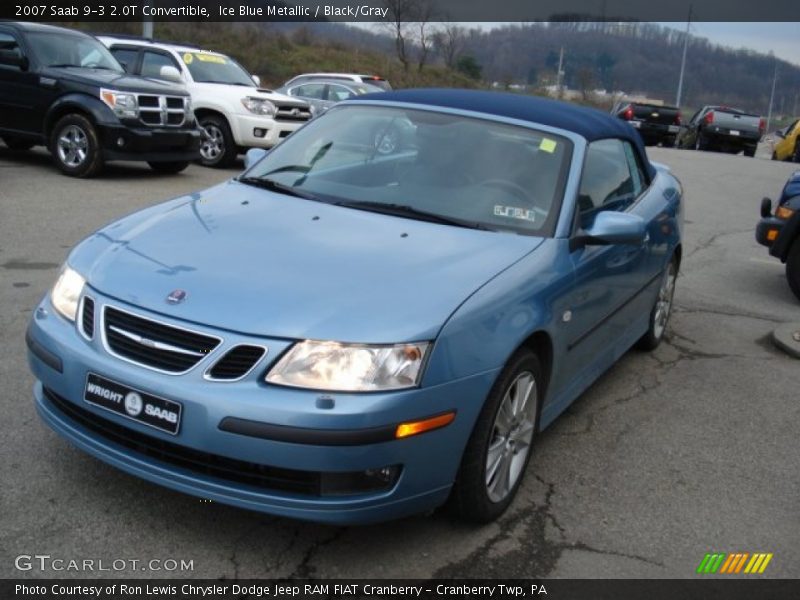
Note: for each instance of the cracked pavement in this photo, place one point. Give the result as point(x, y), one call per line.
point(669, 455)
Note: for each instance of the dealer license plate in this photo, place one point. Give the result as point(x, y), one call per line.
point(159, 413)
point(673, 129)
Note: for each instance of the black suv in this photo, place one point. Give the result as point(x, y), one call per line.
point(63, 89)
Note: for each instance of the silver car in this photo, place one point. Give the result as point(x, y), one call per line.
point(321, 94)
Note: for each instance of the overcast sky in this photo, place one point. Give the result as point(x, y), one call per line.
point(782, 38)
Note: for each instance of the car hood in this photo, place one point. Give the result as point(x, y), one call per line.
point(262, 263)
point(114, 80)
point(237, 92)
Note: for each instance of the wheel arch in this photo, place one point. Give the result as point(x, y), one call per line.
point(86, 106)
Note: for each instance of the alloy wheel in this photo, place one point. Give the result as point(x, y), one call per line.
point(214, 146)
point(72, 146)
point(512, 434)
point(664, 302)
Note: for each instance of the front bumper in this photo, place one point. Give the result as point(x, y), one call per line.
point(251, 131)
point(152, 144)
point(428, 462)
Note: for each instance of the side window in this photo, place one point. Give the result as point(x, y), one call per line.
point(310, 90)
point(337, 93)
point(126, 57)
point(696, 116)
point(638, 176)
point(9, 47)
point(152, 63)
point(607, 182)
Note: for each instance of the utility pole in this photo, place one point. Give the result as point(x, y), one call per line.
point(147, 23)
point(683, 60)
point(772, 94)
point(560, 74)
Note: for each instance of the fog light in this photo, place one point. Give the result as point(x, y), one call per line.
point(259, 132)
point(772, 235)
point(120, 142)
point(359, 482)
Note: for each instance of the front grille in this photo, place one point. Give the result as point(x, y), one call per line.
point(236, 362)
point(213, 465)
point(162, 111)
point(154, 344)
point(292, 113)
point(87, 318)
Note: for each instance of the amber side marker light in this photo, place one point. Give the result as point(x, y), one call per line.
point(414, 427)
point(772, 235)
point(783, 213)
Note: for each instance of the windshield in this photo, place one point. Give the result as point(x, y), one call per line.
point(215, 68)
point(413, 162)
point(69, 50)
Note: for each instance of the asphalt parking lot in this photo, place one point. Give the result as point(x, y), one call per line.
point(670, 455)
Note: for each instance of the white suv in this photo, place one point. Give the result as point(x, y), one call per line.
point(228, 104)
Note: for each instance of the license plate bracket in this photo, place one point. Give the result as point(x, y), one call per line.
point(131, 403)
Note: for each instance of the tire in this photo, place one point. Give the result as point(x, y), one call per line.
point(507, 436)
point(793, 268)
point(219, 150)
point(796, 153)
point(662, 309)
point(18, 144)
point(750, 151)
point(174, 166)
point(75, 146)
point(700, 142)
point(774, 156)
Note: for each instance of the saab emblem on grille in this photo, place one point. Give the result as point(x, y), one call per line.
point(176, 296)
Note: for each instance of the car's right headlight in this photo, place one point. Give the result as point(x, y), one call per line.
point(66, 292)
point(124, 105)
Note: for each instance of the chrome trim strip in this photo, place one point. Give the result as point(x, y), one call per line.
point(148, 343)
point(208, 377)
point(79, 317)
point(164, 323)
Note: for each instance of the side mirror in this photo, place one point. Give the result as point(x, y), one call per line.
point(611, 227)
point(170, 74)
point(13, 59)
point(257, 80)
point(253, 156)
point(766, 207)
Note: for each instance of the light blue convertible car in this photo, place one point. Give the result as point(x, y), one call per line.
point(346, 335)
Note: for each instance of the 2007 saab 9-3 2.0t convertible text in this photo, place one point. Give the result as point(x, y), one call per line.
point(353, 330)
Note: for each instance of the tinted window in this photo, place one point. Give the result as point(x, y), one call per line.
point(9, 44)
point(607, 182)
point(126, 57)
point(152, 63)
point(71, 50)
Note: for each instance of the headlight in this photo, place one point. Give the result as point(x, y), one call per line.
point(350, 367)
point(66, 292)
point(259, 106)
point(124, 105)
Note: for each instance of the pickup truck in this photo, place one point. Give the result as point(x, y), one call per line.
point(723, 129)
point(64, 90)
point(655, 123)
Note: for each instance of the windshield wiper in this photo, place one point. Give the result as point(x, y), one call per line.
point(65, 65)
point(281, 188)
point(403, 210)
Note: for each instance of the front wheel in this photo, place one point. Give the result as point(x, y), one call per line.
point(174, 166)
point(218, 149)
point(750, 151)
point(76, 147)
point(662, 308)
point(793, 268)
point(796, 153)
point(499, 448)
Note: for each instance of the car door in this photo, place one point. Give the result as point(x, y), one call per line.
point(313, 93)
point(128, 57)
point(609, 279)
point(20, 96)
point(153, 61)
point(690, 133)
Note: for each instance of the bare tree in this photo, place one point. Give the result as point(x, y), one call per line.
point(449, 43)
point(409, 22)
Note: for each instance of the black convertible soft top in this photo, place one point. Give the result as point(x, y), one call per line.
point(589, 123)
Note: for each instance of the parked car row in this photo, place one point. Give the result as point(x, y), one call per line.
point(91, 100)
point(718, 128)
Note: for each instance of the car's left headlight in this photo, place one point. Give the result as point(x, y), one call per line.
point(66, 292)
point(333, 366)
point(259, 106)
point(123, 104)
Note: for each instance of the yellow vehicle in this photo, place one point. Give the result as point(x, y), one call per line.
point(787, 146)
